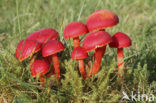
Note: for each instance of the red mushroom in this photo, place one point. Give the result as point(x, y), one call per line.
point(74, 30)
point(51, 48)
point(39, 67)
point(101, 19)
point(26, 48)
point(96, 41)
point(79, 54)
point(120, 41)
point(43, 35)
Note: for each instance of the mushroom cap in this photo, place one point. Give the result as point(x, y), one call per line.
point(74, 29)
point(120, 40)
point(101, 19)
point(39, 67)
point(43, 35)
point(26, 48)
point(95, 40)
point(79, 53)
point(52, 47)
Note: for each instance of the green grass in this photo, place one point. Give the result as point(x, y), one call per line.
point(19, 18)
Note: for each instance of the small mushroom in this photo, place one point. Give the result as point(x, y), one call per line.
point(120, 41)
point(79, 54)
point(74, 30)
point(51, 48)
point(96, 41)
point(101, 19)
point(39, 67)
point(43, 35)
point(26, 48)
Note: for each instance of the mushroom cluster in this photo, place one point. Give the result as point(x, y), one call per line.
point(96, 40)
point(44, 42)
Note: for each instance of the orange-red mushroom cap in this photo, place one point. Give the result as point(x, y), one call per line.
point(96, 39)
point(101, 19)
point(43, 35)
point(74, 29)
point(52, 47)
point(39, 67)
point(120, 40)
point(79, 53)
point(26, 48)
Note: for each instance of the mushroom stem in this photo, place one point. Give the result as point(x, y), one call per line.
point(42, 81)
point(51, 72)
point(82, 69)
point(56, 66)
point(81, 63)
point(99, 52)
point(120, 61)
point(76, 42)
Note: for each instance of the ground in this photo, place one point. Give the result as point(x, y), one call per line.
point(19, 18)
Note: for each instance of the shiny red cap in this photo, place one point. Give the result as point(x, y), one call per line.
point(101, 19)
point(120, 40)
point(95, 40)
point(79, 53)
point(75, 29)
point(52, 47)
point(26, 48)
point(39, 67)
point(43, 35)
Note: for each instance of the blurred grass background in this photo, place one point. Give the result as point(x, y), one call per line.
point(19, 18)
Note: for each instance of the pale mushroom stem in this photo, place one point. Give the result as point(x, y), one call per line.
point(99, 52)
point(56, 66)
point(76, 42)
point(120, 61)
point(82, 69)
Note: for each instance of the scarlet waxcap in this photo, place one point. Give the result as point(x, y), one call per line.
point(52, 47)
point(96, 39)
point(120, 40)
point(39, 67)
point(79, 53)
point(101, 19)
point(74, 29)
point(26, 48)
point(43, 35)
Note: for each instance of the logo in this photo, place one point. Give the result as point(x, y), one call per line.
point(125, 96)
point(137, 97)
